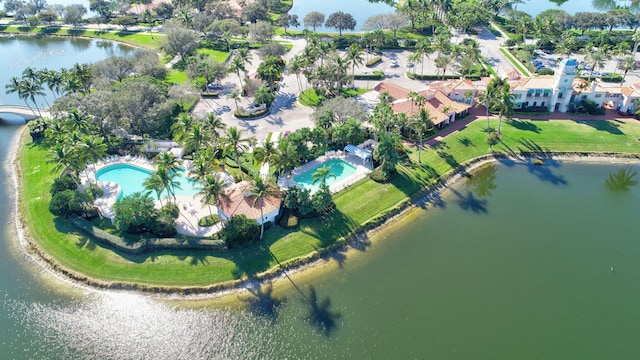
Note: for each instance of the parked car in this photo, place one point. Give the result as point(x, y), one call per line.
point(394, 64)
point(410, 64)
point(214, 86)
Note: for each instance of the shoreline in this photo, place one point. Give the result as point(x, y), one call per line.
point(305, 264)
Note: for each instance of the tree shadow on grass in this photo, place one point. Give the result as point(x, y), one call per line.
point(76, 32)
point(612, 127)
point(466, 142)
point(261, 301)
point(524, 125)
point(448, 158)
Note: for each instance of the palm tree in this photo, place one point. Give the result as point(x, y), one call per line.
point(212, 124)
point(523, 23)
point(195, 139)
point(65, 160)
point(265, 153)
point(423, 48)
point(260, 192)
point(628, 63)
point(354, 57)
point(237, 65)
point(442, 62)
point(17, 86)
point(412, 96)
point(182, 126)
point(243, 54)
point(597, 60)
point(211, 187)
point(236, 144)
point(93, 149)
point(504, 103)
point(321, 174)
point(422, 123)
point(155, 183)
point(201, 166)
point(234, 94)
point(83, 74)
point(168, 180)
point(31, 89)
point(168, 161)
point(286, 158)
point(295, 66)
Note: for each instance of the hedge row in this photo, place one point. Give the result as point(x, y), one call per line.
point(376, 60)
point(243, 115)
point(413, 76)
point(377, 75)
point(140, 247)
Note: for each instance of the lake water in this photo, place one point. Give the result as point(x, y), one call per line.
point(361, 10)
point(523, 263)
point(534, 7)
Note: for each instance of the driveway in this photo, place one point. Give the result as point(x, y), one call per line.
point(286, 114)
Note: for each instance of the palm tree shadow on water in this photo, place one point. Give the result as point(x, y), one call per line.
point(262, 303)
point(320, 315)
point(469, 202)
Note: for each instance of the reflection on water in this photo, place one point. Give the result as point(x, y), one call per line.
point(621, 180)
point(121, 326)
point(483, 181)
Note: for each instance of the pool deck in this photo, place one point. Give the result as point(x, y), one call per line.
point(191, 209)
point(362, 171)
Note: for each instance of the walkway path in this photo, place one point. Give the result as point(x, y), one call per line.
point(24, 111)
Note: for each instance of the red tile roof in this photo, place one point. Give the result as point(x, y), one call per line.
point(240, 202)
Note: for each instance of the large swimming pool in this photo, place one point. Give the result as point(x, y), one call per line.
point(341, 169)
point(131, 179)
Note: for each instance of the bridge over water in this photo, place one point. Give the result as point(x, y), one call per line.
point(24, 112)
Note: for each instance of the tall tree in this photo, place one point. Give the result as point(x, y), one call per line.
point(211, 191)
point(260, 192)
point(340, 21)
point(314, 19)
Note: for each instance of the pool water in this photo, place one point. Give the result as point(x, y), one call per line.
point(131, 180)
point(339, 168)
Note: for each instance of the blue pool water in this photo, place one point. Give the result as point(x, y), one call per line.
point(131, 179)
point(339, 168)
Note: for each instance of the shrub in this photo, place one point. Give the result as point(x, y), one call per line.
point(376, 60)
point(60, 204)
point(378, 176)
point(62, 183)
point(240, 231)
point(510, 43)
point(243, 115)
point(95, 190)
point(164, 224)
point(410, 43)
point(546, 71)
point(171, 209)
point(209, 220)
point(82, 204)
point(134, 213)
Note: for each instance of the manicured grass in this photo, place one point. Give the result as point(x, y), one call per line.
point(176, 76)
point(362, 203)
point(515, 62)
point(146, 40)
point(217, 55)
point(309, 97)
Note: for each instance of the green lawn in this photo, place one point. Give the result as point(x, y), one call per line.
point(146, 40)
point(362, 203)
point(217, 55)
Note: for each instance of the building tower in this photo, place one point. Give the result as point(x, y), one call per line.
point(563, 85)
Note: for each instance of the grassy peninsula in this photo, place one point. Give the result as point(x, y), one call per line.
point(362, 205)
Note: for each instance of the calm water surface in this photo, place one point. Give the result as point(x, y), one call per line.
point(361, 10)
point(534, 7)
